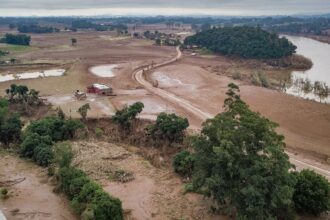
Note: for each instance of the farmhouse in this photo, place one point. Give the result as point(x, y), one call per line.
point(99, 89)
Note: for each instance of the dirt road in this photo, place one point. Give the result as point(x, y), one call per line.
point(139, 76)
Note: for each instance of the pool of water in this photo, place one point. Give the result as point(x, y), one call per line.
point(32, 75)
point(104, 70)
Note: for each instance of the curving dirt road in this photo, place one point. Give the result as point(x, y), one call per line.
point(138, 75)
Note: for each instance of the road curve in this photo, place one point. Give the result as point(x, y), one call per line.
point(138, 75)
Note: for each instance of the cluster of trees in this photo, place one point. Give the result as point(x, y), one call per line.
point(33, 28)
point(88, 199)
point(318, 26)
point(18, 39)
point(39, 137)
point(10, 124)
point(246, 42)
point(85, 24)
point(320, 89)
point(239, 161)
point(162, 38)
point(3, 53)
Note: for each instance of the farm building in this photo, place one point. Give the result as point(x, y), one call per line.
point(99, 89)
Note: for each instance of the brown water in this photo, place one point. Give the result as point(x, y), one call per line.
point(319, 53)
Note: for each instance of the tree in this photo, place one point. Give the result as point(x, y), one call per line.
point(183, 163)
point(312, 193)
point(10, 129)
point(83, 111)
point(240, 162)
point(74, 41)
point(169, 127)
point(127, 114)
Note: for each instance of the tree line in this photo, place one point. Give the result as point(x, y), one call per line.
point(17, 39)
point(33, 28)
point(246, 42)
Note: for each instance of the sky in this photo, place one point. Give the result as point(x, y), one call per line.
point(161, 7)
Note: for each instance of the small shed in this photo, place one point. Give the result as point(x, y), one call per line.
point(99, 89)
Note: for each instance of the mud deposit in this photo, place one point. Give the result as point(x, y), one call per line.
point(154, 193)
point(30, 192)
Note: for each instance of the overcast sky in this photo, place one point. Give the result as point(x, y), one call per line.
point(162, 7)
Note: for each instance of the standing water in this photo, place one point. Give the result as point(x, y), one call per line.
point(313, 83)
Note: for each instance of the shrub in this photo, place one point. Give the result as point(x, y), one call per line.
point(83, 111)
point(66, 175)
point(3, 193)
point(169, 127)
point(77, 184)
point(98, 132)
point(87, 193)
point(63, 154)
point(43, 154)
point(31, 141)
point(312, 193)
point(237, 75)
point(183, 163)
point(10, 129)
point(106, 207)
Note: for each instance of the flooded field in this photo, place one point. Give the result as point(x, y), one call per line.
point(314, 83)
point(32, 75)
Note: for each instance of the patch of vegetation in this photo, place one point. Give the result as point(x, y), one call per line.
point(260, 79)
point(33, 28)
point(312, 193)
point(98, 132)
point(17, 39)
point(240, 162)
point(10, 124)
point(121, 176)
point(83, 111)
point(169, 128)
point(87, 197)
point(125, 116)
point(3, 193)
point(183, 163)
point(246, 42)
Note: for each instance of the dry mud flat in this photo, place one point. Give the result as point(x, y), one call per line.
point(31, 196)
point(154, 193)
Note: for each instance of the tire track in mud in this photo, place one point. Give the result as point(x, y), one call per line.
point(139, 76)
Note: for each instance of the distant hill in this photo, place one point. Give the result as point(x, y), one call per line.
point(246, 42)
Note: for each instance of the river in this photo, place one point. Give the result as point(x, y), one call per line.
point(319, 53)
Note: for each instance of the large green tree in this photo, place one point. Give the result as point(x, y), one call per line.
point(240, 162)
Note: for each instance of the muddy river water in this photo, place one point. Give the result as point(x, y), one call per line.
point(319, 53)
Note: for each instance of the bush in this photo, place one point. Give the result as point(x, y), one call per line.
point(63, 154)
point(183, 163)
point(312, 193)
point(10, 129)
point(55, 127)
point(66, 175)
point(87, 193)
point(98, 132)
point(169, 127)
point(77, 184)
point(106, 207)
point(31, 141)
point(43, 154)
